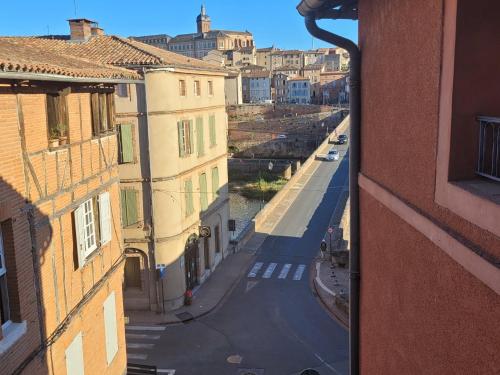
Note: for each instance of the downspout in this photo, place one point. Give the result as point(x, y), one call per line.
point(354, 169)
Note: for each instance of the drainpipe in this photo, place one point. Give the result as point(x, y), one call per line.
point(354, 169)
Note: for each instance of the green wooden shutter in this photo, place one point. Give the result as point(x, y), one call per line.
point(123, 198)
point(180, 133)
point(129, 207)
point(132, 216)
point(215, 183)
point(200, 143)
point(191, 137)
point(203, 192)
point(188, 188)
point(126, 144)
point(213, 141)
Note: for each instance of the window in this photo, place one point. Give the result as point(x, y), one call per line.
point(188, 193)
point(200, 142)
point(129, 207)
point(103, 113)
point(185, 137)
point(110, 328)
point(57, 116)
point(213, 135)
point(203, 192)
point(215, 183)
point(74, 356)
point(182, 87)
point(217, 239)
point(88, 234)
point(125, 144)
point(85, 230)
point(4, 296)
point(197, 88)
point(210, 88)
point(122, 90)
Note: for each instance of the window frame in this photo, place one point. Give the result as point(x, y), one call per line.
point(450, 194)
point(59, 115)
point(182, 88)
point(197, 87)
point(210, 88)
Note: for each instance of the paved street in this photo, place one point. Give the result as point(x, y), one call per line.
point(271, 323)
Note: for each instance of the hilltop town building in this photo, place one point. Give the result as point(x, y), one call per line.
point(205, 39)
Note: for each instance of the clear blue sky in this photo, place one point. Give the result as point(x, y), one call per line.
point(271, 21)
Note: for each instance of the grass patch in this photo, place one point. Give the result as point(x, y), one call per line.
point(264, 187)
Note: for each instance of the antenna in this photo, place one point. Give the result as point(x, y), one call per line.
point(74, 5)
point(48, 30)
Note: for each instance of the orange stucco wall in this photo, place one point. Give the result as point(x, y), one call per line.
point(421, 312)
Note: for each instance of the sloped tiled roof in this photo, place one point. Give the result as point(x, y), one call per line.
point(30, 55)
point(114, 50)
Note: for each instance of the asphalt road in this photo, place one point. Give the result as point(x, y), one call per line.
point(271, 323)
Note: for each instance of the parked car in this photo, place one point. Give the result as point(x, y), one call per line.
point(332, 155)
point(342, 139)
point(281, 136)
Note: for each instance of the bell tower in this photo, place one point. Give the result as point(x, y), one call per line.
point(203, 21)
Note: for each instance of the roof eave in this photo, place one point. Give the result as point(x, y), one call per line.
point(61, 78)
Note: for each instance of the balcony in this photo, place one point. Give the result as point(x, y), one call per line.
point(488, 164)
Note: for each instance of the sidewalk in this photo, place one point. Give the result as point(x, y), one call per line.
point(206, 297)
point(332, 286)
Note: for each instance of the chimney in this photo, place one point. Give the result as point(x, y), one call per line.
point(81, 29)
point(95, 30)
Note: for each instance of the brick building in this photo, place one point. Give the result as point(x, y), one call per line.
point(61, 252)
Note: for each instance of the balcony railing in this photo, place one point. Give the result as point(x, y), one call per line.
point(488, 164)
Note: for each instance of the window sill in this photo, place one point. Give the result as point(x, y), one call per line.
point(12, 332)
point(483, 188)
point(103, 135)
point(59, 148)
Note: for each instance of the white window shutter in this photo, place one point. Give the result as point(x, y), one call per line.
point(110, 329)
point(80, 235)
point(74, 356)
point(105, 217)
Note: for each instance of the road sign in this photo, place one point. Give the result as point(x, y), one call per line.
point(205, 231)
point(330, 230)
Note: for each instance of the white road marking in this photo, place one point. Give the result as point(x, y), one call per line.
point(136, 345)
point(250, 285)
point(140, 357)
point(145, 328)
point(299, 271)
point(320, 283)
point(140, 336)
point(284, 271)
point(326, 364)
point(269, 271)
point(165, 371)
point(255, 269)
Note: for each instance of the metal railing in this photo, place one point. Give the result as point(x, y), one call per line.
point(488, 164)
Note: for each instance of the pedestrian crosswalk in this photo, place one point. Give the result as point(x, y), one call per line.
point(141, 340)
point(266, 271)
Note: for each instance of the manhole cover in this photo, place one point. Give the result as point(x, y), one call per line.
point(250, 371)
point(236, 359)
point(184, 317)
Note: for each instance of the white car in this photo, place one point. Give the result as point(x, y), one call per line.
point(332, 155)
point(281, 136)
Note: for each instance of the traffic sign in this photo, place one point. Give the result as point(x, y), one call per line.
point(330, 230)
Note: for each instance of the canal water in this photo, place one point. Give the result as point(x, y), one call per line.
point(243, 210)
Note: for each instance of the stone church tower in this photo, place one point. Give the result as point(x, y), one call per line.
point(203, 21)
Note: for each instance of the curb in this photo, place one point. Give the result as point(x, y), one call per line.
point(336, 314)
point(204, 313)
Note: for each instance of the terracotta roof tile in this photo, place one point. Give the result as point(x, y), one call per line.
point(32, 55)
point(114, 50)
